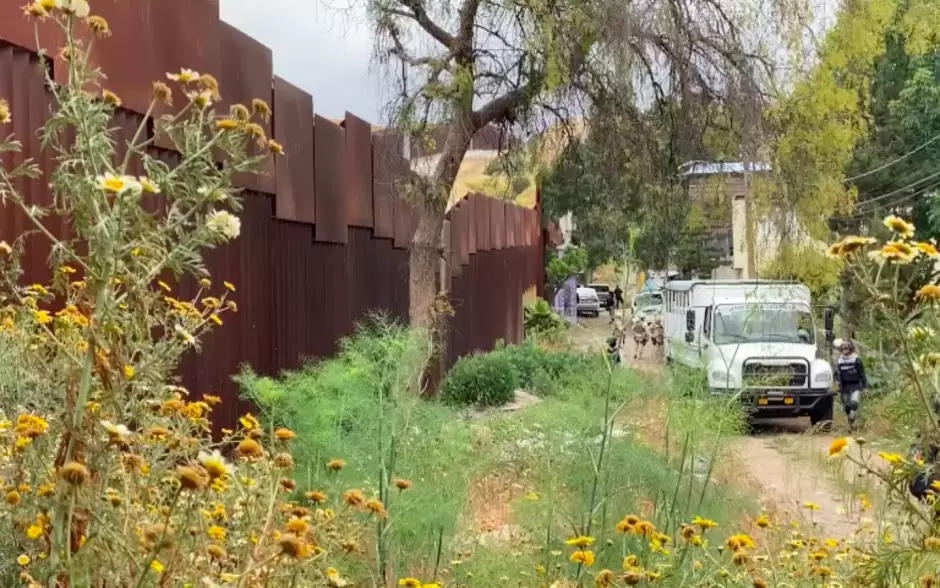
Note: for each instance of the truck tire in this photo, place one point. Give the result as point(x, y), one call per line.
point(821, 416)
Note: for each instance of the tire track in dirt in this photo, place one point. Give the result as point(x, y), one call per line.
point(788, 482)
point(783, 481)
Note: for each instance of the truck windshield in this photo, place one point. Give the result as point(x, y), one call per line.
point(644, 300)
point(763, 323)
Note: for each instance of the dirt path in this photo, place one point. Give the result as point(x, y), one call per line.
point(783, 461)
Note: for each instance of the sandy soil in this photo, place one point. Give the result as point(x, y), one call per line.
point(780, 460)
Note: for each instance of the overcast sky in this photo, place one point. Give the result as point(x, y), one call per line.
point(325, 53)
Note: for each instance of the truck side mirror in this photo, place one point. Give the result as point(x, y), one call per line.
point(830, 325)
point(690, 320)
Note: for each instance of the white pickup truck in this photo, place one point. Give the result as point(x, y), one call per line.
point(756, 338)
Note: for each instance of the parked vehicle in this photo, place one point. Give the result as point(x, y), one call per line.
point(647, 299)
point(753, 338)
point(603, 293)
point(647, 314)
point(588, 302)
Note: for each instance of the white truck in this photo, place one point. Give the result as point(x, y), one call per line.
point(756, 338)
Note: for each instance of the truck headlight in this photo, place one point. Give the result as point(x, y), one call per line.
point(721, 377)
point(822, 378)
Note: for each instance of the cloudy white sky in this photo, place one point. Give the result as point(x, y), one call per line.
point(324, 52)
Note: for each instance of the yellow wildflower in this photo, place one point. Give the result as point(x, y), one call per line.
point(99, 25)
point(149, 186)
point(34, 532)
point(74, 473)
point(739, 541)
point(929, 293)
point(162, 93)
point(353, 497)
point(229, 286)
point(704, 523)
point(604, 578)
point(275, 148)
point(900, 226)
point(129, 372)
point(401, 484)
point(928, 249)
point(335, 465)
point(838, 446)
point(249, 422)
point(216, 533)
point(208, 83)
point(226, 124)
point(583, 557)
point(5, 117)
point(156, 566)
point(111, 98)
point(894, 251)
point(811, 506)
point(848, 246)
point(261, 108)
point(580, 541)
point(894, 459)
point(35, 10)
point(239, 112)
point(249, 448)
point(23, 560)
point(185, 76)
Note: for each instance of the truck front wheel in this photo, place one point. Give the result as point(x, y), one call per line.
point(821, 416)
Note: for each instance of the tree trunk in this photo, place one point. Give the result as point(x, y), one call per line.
point(426, 248)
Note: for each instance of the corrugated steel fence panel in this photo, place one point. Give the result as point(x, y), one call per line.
point(325, 234)
point(329, 144)
point(358, 166)
point(241, 82)
point(296, 188)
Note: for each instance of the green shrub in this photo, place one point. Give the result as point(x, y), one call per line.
point(488, 379)
point(539, 319)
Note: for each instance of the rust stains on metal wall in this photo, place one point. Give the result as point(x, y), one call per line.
point(293, 128)
point(325, 234)
point(242, 81)
point(358, 172)
point(329, 142)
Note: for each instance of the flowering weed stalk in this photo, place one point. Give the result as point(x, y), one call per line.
point(110, 474)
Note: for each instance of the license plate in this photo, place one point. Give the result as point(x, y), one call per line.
point(788, 400)
point(762, 401)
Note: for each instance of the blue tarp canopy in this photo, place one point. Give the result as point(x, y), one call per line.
point(649, 286)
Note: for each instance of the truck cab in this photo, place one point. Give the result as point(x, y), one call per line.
point(755, 339)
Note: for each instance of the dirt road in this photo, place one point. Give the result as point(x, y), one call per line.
point(784, 461)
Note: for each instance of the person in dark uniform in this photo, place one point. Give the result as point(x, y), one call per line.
point(618, 296)
point(925, 454)
point(613, 350)
point(850, 375)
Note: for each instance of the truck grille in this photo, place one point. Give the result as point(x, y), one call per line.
point(775, 374)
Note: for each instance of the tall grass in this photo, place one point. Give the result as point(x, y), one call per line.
point(363, 407)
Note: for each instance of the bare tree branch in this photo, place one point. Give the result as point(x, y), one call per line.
point(420, 15)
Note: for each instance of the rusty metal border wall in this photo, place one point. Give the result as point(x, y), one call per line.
point(324, 233)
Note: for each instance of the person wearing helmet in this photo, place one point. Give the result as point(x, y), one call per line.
point(850, 375)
